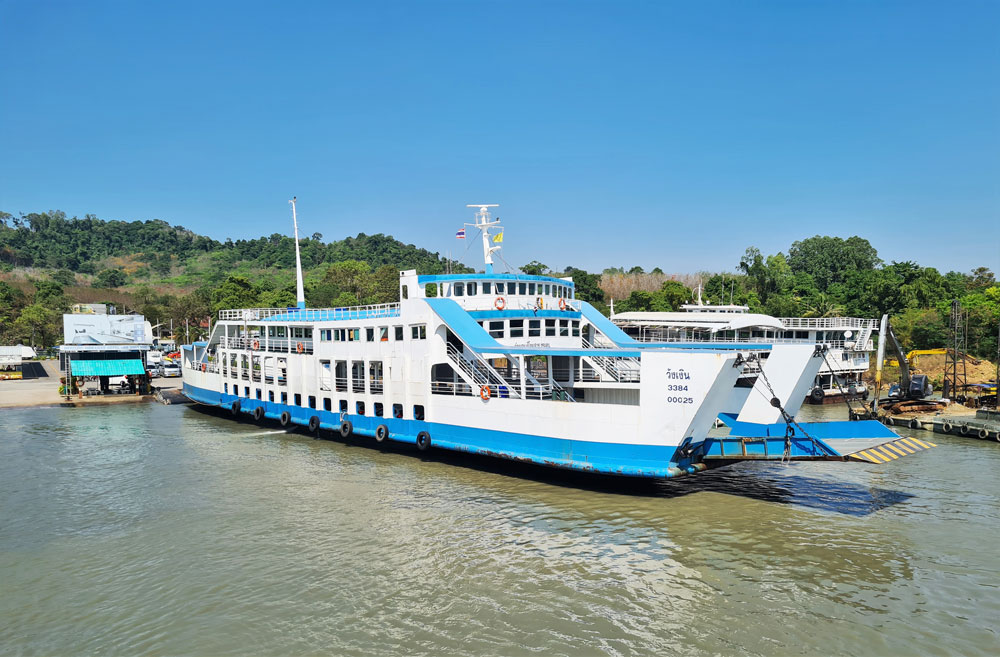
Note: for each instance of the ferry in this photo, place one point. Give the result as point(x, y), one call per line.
point(848, 340)
point(507, 365)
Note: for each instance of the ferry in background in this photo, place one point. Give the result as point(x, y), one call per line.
point(506, 365)
point(848, 339)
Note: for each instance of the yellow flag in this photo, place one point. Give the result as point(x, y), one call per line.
point(498, 238)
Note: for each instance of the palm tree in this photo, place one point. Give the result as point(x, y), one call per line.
point(823, 306)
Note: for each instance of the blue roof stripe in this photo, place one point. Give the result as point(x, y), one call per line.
point(444, 278)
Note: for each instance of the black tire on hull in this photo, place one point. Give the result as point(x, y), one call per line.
point(423, 441)
point(381, 433)
point(314, 424)
point(285, 418)
point(817, 395)
point(234, 408)
point(258, 413)
point(346, 429)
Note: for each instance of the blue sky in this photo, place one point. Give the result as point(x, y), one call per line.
point(612, 133)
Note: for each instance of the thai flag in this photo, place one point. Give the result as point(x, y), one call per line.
point(460, 234)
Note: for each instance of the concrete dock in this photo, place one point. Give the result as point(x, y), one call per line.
point(44, 391)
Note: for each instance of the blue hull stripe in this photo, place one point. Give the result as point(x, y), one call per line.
point(610, 458)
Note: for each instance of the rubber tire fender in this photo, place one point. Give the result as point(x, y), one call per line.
point(285, 418)
point(947, 427)
point(817, 395)
point(964, 430)
point(234, 408)
point(983, 434)
point(381, 433)
point(914, 423)
point(258, 413)
point(423, 441)
point(889, 422)
point(346, 428)
point(314, 424)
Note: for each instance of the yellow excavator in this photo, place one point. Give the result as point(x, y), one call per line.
point(911, 356)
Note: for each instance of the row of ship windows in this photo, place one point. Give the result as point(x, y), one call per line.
point(372, 334)
point(510, 288)
point(515, 328)
point(359, 407)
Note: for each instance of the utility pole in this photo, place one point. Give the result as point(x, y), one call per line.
point(187, 332)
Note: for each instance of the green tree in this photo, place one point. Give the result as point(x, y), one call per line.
point(535, 268)
point(38, 325)
point(829, 259)
point(64, 277)
point(110, 278)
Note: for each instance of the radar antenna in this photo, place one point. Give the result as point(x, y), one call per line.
point(484, 223)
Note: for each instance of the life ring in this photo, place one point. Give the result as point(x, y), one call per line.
point(346, 428)
point(562, 304)
point(817, 395)
point(423, 441)
point(234, 408)
point(484, 393)
point(964, 429)
point(258, 413)
point(540, 303)
point(381, 433)
point(500, 303)
point(285, 418)
point(203, 367)
point(299, 347)
point(914, 423)
point(947, 427)
point(313, 424)
point(256, 344)
point(983, 434)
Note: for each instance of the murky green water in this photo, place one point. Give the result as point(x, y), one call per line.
point(162, 530)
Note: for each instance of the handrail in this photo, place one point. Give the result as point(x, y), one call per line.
point(612, 366)
point(373, 311)
point(480, 371)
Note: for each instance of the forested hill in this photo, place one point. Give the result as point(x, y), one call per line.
point(50, 240)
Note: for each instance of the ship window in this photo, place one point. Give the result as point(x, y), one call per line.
point(418, 412)
point(270, 395)
point(531, 289)
point(327, 404)
point(246, 391)
point(298, 399)
point(548, 289)
point(343, 405)
point(550, 327)
point(284, 398)
point(258, 394)
point(496, 329)
point(358, 376)
point(370, 334)
point(517, 328)
point(308, 333)
point(312, 401)
point(534, 328)
point(360, 408)
point(404, 292)
point(845, 356)
point(499, 288)
point(472, 289)
point(225, 388)
point(522, 288)
point(399, 332)
point(325, 375)
point(511, 288)
point(378, 409)
point(430, 290)
point(383, 334)
point(576, 329)
point(397, 411)
point(458, 289)
point(418, 332)
point(564, 327)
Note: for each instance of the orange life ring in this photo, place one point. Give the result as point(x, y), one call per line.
point(500, 303)
point(299, 347)
point(203, 367)
point(256, 344)
point(562, 304)
point(484, 393)
point(540, 303)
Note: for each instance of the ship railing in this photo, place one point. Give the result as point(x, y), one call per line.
point(827, 323)
point(272, 345)
point(623, 369)
point(481, 372)
point(373, 311)
point(459, 388)
point(376, 387)
point(554, 390)
point(340, 383)
point(358, 385)
point(651, 336)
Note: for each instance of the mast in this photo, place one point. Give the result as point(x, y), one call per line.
point(483, 223)
point(300, 295)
